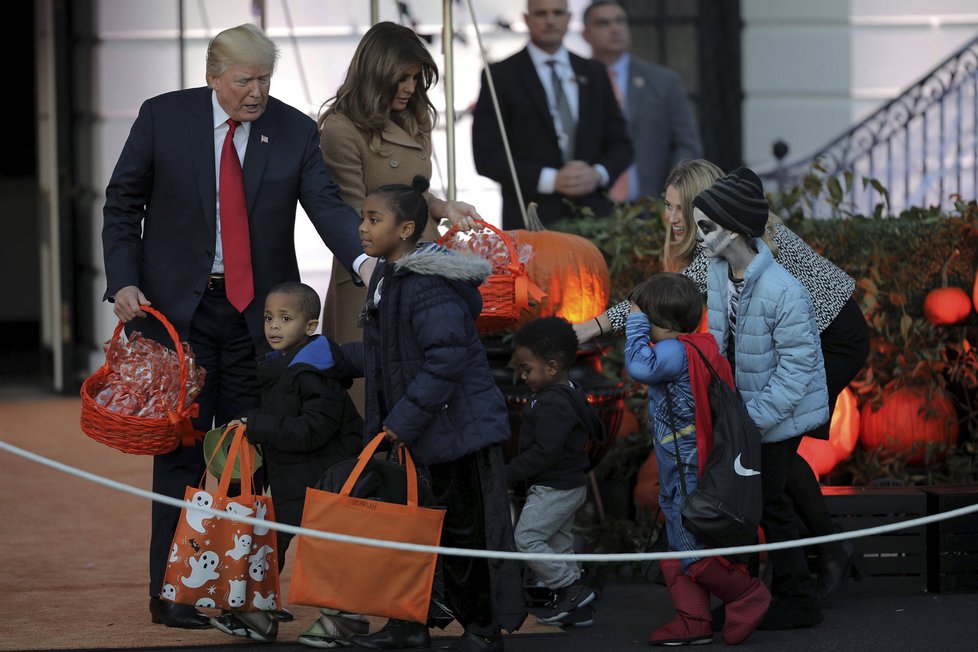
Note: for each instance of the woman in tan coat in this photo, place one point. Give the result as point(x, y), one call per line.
point(377, 130)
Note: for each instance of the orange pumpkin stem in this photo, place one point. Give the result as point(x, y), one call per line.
point(533, 222)
point(944, 267)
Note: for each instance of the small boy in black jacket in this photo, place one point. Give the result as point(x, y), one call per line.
point(307, 422)
point(556, 427)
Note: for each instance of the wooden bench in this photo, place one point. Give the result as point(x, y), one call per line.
point(897, 561)
point(952, 544)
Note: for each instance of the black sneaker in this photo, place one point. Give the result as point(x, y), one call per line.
point(570, 598)
point(580, 617)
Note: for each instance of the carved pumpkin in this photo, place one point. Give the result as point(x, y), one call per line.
point(909, 420)
point(570, 269)
point(823, 455)
point(946, 306)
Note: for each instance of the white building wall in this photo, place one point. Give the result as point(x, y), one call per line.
point(813, 69)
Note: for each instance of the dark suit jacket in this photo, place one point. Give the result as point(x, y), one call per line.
point(660, 122)
point(602, 135)
point(159, 220)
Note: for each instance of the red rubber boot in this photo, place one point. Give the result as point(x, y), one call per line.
point(746, 598)
point(693, 623)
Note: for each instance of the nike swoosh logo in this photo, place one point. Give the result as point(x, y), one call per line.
point(740, 469)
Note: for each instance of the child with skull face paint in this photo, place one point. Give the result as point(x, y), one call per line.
point(764, 322)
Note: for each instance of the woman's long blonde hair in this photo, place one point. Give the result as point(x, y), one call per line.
point(690, 178)
point(366, 95)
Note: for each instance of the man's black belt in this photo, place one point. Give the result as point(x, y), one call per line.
point(215, 283)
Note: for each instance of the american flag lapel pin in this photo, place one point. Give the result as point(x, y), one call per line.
point(264, 138)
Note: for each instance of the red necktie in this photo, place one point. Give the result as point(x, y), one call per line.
point(619, 190)
point(235, 239)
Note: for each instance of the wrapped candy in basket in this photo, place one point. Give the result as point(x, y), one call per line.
point(141, 400)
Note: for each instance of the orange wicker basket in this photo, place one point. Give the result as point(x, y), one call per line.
point(132, 434)
point(508, 289)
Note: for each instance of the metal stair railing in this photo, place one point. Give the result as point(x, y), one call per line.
point(921, 146)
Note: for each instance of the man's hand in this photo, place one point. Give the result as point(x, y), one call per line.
point(127, 303)
point(577, 179)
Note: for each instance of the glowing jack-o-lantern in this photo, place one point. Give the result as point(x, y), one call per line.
point(823, 455)
point(908, 422)
point(570, 269)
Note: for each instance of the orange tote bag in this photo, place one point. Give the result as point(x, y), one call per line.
point(366, 579)
point(219, 563)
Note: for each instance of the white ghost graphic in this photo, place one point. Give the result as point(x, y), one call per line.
point(202, 570)
point(256, 569)
point(242, 546)
point(195, 519)
point(258, 563)
point(169, 592)
point(205, 602)
point(237, 594)
point(173, 554)
point(263, 603)
point(238, 509)
point(260, 510)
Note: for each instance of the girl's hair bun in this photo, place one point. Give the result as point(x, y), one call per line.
point(420, 183)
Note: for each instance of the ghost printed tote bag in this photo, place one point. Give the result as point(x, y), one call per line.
point(218, 562)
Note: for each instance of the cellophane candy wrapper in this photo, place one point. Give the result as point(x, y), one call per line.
point(145, 377)
point(486, 244)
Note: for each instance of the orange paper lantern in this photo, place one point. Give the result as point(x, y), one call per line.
point(908, 421)
point(824, 455)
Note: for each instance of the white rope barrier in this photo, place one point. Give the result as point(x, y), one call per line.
point(488, 554)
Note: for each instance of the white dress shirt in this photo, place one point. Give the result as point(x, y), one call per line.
point(548, 176)
point(240, 144)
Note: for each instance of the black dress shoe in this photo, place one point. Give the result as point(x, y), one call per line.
point(172, 614)
point(474, 643)
point(395, 635)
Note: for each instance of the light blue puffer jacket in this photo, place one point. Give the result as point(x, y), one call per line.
point(780, 372)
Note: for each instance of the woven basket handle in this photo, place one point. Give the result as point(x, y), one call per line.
point(182, 396)
point(502, 236)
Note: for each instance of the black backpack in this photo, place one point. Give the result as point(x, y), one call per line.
point(725, 508)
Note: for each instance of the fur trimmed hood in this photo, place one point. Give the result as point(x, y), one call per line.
point(430, 259)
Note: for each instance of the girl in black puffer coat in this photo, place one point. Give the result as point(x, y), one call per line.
point(429, 387)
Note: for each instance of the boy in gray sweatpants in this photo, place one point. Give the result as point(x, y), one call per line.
point(556, 427)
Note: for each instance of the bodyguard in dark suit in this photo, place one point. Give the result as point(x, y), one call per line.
point(660, 120)
point(199, 222)
point(565, 129)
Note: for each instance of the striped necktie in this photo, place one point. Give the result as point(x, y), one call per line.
point(568, 127)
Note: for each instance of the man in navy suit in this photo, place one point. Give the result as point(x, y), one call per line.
point(564, 127)
point(163, 242)
point(659, 117)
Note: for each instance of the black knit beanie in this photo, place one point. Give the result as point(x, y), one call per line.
point(736, 202)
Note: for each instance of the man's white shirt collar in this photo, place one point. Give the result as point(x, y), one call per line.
point(221, 116)
point(540, 58)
